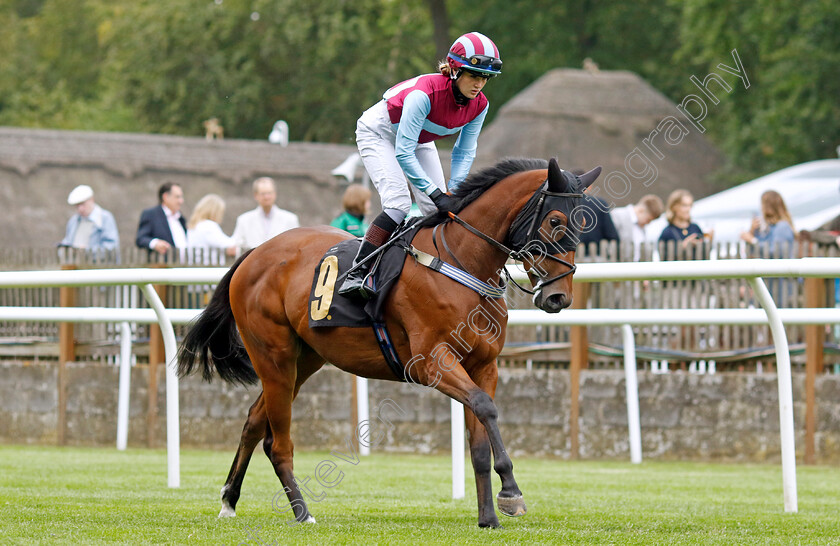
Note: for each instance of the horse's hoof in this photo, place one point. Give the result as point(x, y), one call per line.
point(227, 511)
point(511, 506)
point(309, 519)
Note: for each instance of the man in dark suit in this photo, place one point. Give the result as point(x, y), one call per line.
point(163, 227)
point(602, 228)
point(599, 226)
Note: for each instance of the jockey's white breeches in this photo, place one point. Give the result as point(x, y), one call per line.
point(375, 138)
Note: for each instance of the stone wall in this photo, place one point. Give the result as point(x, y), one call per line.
point(683, 416)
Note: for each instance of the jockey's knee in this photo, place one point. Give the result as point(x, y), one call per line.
point(397, 214)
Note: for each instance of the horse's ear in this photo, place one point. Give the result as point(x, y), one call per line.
point(556, 182)
point(588, 178)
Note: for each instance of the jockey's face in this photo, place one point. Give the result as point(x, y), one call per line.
point(470, 84)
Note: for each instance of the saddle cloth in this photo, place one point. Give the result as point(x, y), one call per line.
point(328, 308)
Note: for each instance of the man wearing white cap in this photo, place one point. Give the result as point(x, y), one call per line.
point(92, 227)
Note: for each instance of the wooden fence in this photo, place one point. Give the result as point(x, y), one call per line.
point(683, 347)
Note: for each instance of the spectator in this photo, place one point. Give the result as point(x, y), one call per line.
point(680, 229)
point(828, 235)
point(773, 234)
point(163, 227)
point(776, 230)
point(630, 221)
point(257, 226)
point(356, 203)
point(599, 224)
point(204, 231)
point(92, 227)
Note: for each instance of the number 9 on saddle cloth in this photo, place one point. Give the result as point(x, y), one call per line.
point(328, 308)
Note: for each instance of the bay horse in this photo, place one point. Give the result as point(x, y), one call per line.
point(256, 326)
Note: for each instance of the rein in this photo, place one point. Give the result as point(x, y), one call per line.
point(530, 237)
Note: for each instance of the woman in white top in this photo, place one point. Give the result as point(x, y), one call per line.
point(204, 231)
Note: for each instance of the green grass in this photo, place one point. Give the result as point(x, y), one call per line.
point(101, 496)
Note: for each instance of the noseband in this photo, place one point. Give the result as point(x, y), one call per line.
point(524, 236)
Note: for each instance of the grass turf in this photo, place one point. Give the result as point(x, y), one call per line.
point(100, 496)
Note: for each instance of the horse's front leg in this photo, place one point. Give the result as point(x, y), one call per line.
point(480, 451)
point(457, 384)
point(482, 464)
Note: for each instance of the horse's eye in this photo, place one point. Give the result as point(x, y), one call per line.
point(555, 222)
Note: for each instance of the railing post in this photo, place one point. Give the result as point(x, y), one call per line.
point(783, 376)
point(124, 386)
point(631, 389)
point(173, 434)
point(354, 410)
point(456, 412)
point(66, 353)
point(814, 363)
point(157, 355)
point(362, 412)
point(579, 360)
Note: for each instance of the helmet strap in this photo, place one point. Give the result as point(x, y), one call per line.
point(460, 98)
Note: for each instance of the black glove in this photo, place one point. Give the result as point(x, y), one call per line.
point(443, 202)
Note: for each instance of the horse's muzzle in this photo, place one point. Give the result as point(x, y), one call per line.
point(553, 303)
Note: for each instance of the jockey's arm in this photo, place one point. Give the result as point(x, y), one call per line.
point(463, 153)
point(416, 108)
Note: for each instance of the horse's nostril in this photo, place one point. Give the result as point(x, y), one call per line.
point(556, 302)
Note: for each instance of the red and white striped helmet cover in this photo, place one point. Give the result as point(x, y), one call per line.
point(472, 43)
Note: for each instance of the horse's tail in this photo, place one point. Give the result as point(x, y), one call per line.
point(213, 341)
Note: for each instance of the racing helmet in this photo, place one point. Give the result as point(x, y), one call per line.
point(476, 53)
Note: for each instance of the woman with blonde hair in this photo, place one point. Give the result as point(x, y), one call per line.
point(777, 228)
point(680, 228)
point(203, 229)
point(356, 203)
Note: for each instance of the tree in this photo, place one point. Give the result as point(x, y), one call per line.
point(145, 65)
point(791, 53)
point(541, 35)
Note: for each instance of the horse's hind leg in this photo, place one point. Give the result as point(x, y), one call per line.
point(256, 427)
point(253, 431)
point(274, 355)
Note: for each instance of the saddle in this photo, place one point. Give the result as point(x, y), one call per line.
point(327, 308)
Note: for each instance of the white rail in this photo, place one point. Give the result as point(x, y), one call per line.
point(624, 271)
point(144, 278)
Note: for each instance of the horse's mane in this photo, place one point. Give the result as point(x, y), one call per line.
point(477, 183)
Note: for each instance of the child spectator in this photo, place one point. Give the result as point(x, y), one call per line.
point(680, 229)
point(356, 203)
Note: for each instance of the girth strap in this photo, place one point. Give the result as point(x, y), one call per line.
point(389, 351)
point(458, 275)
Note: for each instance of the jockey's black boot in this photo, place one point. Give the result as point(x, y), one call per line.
point(380, 229)
point(354, 284)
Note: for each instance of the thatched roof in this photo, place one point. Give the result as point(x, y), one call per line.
point(39, 167)
point(587, 119)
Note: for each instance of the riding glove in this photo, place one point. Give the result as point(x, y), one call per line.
point(442, 201)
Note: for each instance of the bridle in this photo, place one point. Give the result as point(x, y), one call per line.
point(524, 235)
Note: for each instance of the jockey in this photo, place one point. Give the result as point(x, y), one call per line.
point(396, 140)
